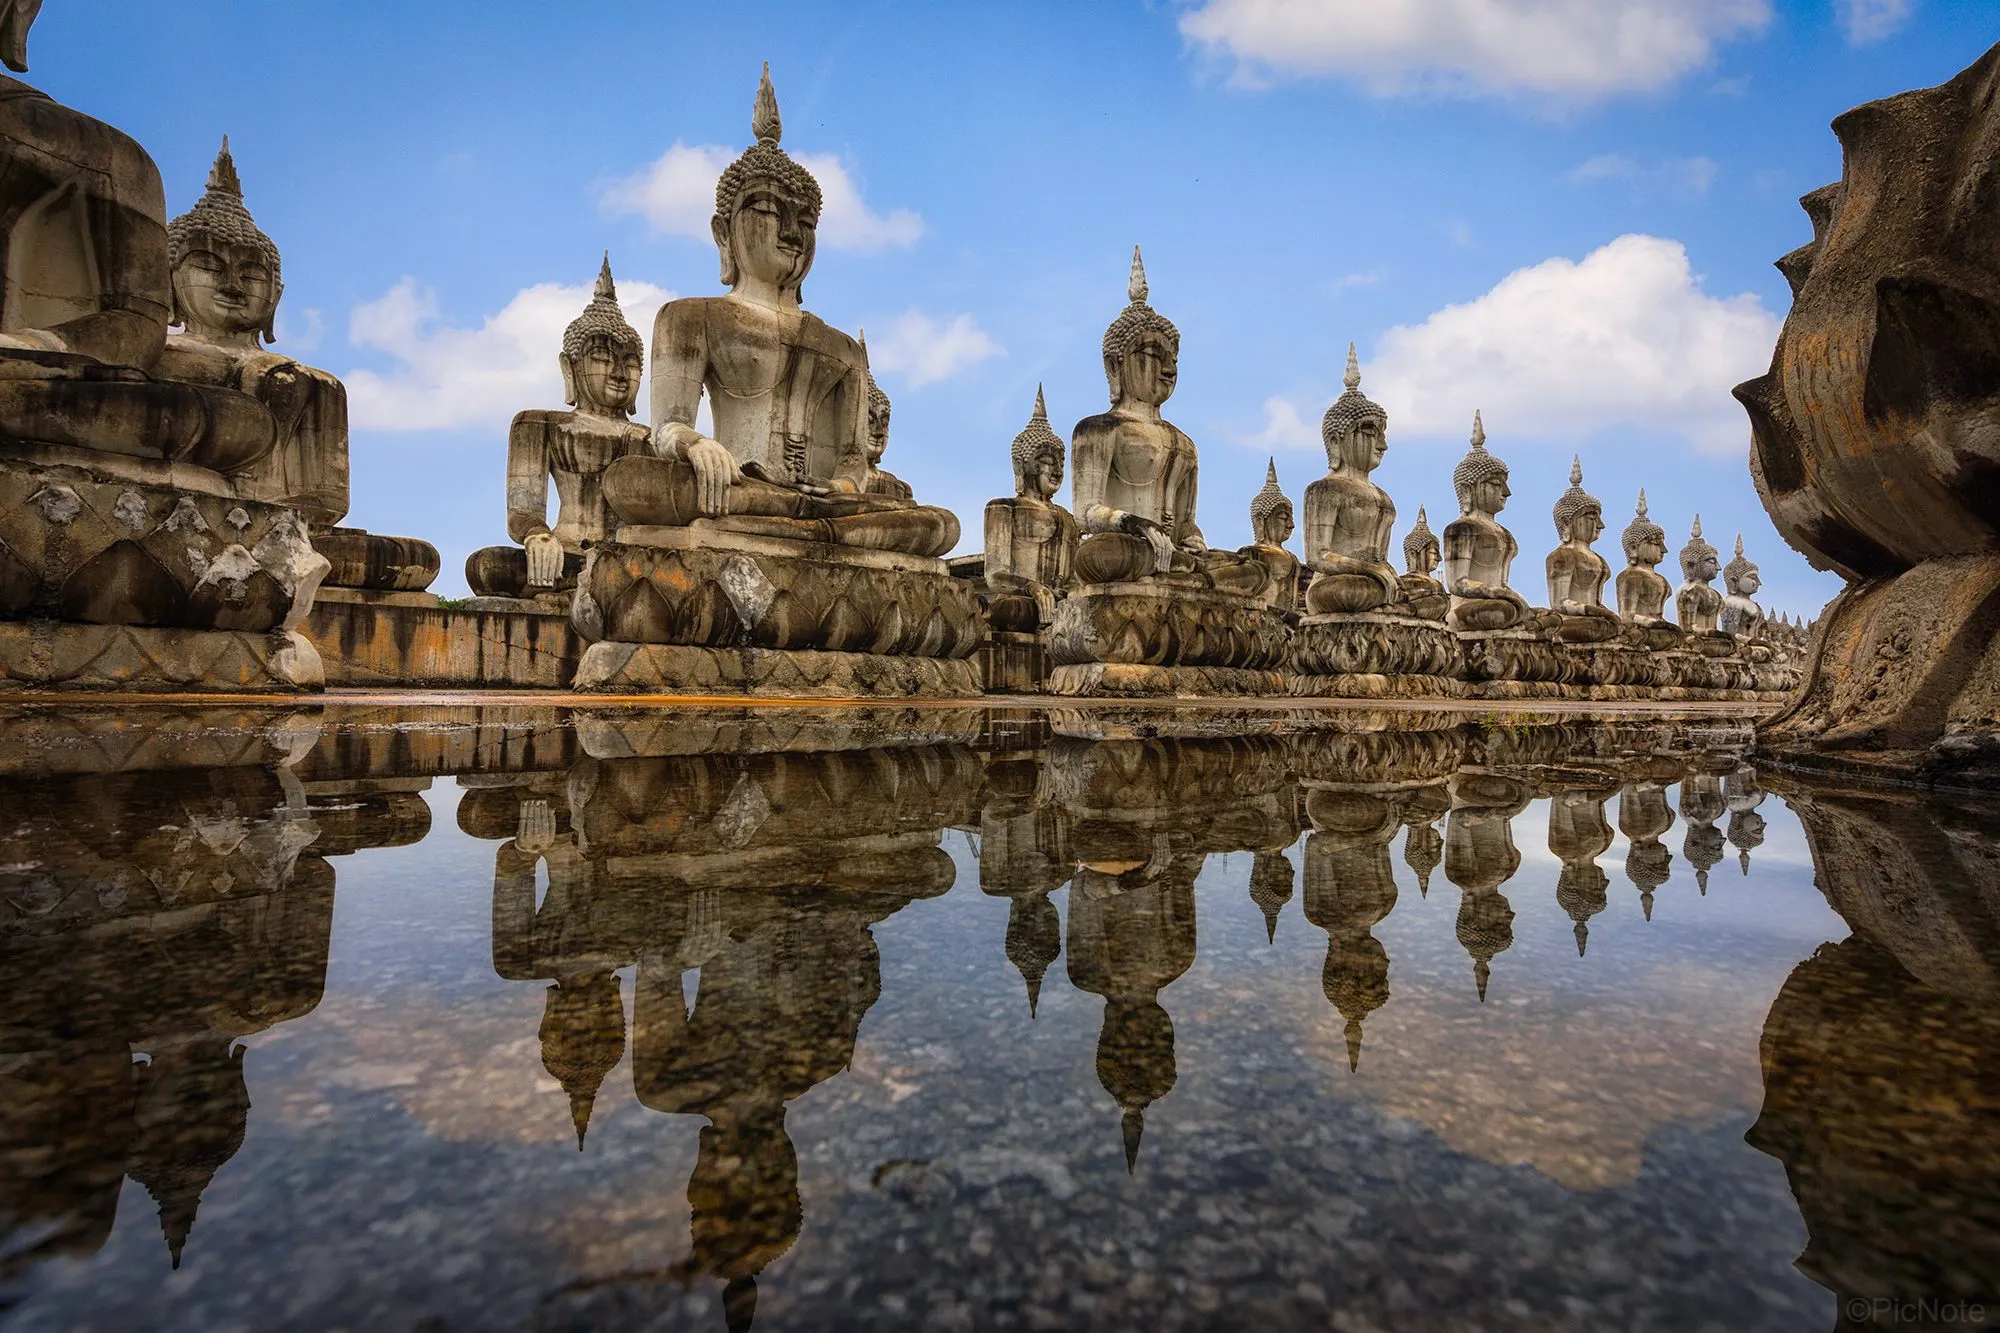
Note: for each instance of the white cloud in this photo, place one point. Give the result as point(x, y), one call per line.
point(922, 350)
point(1285, 427)
point(1866, 21)
point(1564, 349)
point(449, 376)
point(676, 196)
point(1677, 176)
point(1571, 49)
point(1367, 279)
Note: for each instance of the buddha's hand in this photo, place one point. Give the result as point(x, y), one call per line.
point(1154, 536)
point(545, 559)
point(715, 471)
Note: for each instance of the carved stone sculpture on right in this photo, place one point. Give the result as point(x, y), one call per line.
point(1876, 434)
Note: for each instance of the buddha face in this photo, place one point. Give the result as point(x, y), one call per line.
point(1425, 558)
point(1587, 526)
point(1048, 475)
point(1747, 583)
point(769, 238)
point(1363, 449)
point(604, 377)
point(878, 432)
point(1148, 372)
point(1649, 551)
point(1489, 496)
point(223, 290)
point(1699, 568)
point(1276, 527)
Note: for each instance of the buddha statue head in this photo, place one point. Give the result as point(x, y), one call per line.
point(1354, 430)
point(1421, 552)
point(1038, 456)
point(1739, 575)
point(16, 17)
point(878, 411)
point(1142, 348)
point(1480, 479)
point(1271, 520)
point(602, 355)
point(1579, 516)
point(1645, 541)
point(766, 207)
point(226, 277)
point(1698, 559)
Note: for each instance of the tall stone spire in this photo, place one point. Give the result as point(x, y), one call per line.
point(1136, 290)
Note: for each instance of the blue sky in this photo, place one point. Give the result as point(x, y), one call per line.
point(1444, 182)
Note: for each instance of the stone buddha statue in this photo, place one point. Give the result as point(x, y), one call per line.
point(1348, 517)
point(1418, 589)
point(1030, 539)
point(601, 359)
point(1134, 473)
point(1698, 604)
point(877, 481)
point(1271, 527)
point(1642, 589)
point(1740, 615)
point(1478, 551)
point(789, 393)
point(1577, 573)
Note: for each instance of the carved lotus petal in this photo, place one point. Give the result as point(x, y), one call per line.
point(130, 509)
point(186, 518)
point(59, 504)
point(750, 593)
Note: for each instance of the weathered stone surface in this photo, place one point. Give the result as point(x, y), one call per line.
point(1873, 432)
point(645, 668)
point(365, 560)
point(1382, 643)
point(799, 597)
point(1013, 662)
point(1135, 680)
point(55, 655)
point(371, 643)
point(1166, 623)
point(1512, 655)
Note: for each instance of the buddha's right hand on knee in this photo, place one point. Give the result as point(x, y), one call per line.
point(545, 559)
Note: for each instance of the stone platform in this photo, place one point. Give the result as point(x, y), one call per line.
point(658, 668)
point(62, 655)
point(1134, 680)
point(408, 639)
point(1164, 639)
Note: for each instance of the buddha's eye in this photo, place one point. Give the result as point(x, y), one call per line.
point(205, 261)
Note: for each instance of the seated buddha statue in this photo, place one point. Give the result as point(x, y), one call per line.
point(1577, 573)
point(1698, 604)
point(1418, 590)
point(1642, 589)
point(1030, 539)
point(1134, 472)
point(601, 359)
point(789, 393)
point(1740, 615)
point(1477, 550)
point(83, 320)
point(1348, 517)
point(877, 481)
point(1270, 528)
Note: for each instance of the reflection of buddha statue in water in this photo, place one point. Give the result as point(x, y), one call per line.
point(1579, 833)
point(1577, 573)
point(1642, 589)
point(1271, 878)
point(1422, 595)
point(1270, 528)
point(1701, 806)
point(788, 392)
point(601, 359)
point(1030, 539)
point(1477, 550)
point(1480, 856)
point(1350, 888)
point(1743, 794)
point(1133, 473)
point(190, 1113)
point(1132, 933)
point(1643, 815)
point(1349, 517)
point(1024, 857)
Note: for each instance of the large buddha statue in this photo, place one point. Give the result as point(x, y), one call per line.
point(788, 392)
point(1478, 551)
point(1134, 473)
point(1420, 592)
point(148, 538)
point(1271, 527)
point(1030, 539)
point(601, 359)
point(1698, 603)
point(1349, 517)
point(1642, 589)
point(1577, 573)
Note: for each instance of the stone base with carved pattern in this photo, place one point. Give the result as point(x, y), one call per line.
point(1375, 655)
point(1514, 664)
point(59, 655)
point(1135, 680)
point(660, 668)
point(1166, 623)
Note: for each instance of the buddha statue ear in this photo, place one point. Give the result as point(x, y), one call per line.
point(570, 394)
point(269, 333)
point(718, 227)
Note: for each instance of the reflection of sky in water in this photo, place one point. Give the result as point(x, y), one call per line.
point(1568, 1153)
